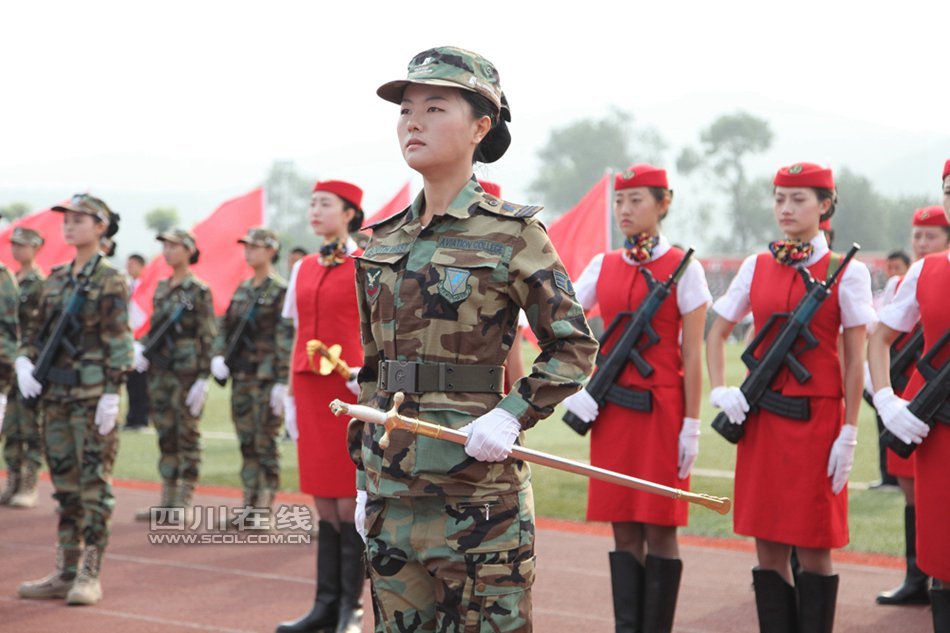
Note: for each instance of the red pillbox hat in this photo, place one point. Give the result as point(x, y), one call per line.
point(804, 175)
point(349, 192)
point(641, 175)
point(933, 215)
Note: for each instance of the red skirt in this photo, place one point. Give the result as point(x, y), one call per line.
point(325, 467)
point(782, 489)
point(900, 467)
point(644, 445)
point(932, 494)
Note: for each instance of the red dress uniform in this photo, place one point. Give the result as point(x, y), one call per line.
point(782, 489)
point(326, 310)
point(641, 444)
point(932, 481)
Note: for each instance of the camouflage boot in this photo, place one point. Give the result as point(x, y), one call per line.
point(57, 584)
point(25, 496)
point(169, 496)
point(87, 590)
point(265, 501)
point(186, 495)
point(10, 489)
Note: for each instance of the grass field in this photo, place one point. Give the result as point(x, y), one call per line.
point(875, 516)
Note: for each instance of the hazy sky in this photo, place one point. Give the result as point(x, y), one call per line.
point(202, 96)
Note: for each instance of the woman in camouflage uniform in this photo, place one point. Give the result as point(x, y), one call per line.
point(178, 370)
point(259, 370)
point(450, 530)
point(23, 448)
point(80, 402)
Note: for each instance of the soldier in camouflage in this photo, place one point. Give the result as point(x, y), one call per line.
point(23, 448)
point(178, 370)
point(259, 370)
point(80, 403)
point(14, 448)
point(450, 529)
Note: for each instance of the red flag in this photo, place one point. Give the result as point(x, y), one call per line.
point(584, 231)
point(47, 223)
point(399, 202)
point(221, 265)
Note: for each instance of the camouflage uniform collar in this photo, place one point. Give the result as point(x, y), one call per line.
point(460, 207)
point(186, 282)
point(88, 269)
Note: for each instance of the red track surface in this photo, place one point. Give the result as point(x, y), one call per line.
point(223, 588)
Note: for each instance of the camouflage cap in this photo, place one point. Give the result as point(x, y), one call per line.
point(260, 236)
point(452, 67)
point(26, 237)
point(90, 205)
point(179, 236)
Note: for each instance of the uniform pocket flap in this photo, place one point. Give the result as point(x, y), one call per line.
point(464, 258)
point(498, 579)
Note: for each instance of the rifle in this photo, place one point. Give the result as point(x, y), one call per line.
point(242, 335)
point(932, 402)
point(161, 336)
point(629, 347)
point(781, 353)
point(59, 329)
point(901, 360)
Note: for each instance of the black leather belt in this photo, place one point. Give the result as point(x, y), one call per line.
point(418, 377)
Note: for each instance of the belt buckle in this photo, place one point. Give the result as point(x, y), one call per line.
point(401, 376)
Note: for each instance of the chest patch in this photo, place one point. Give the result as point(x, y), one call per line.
point(455, 286)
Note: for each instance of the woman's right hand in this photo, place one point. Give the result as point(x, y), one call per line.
point(359, 517)
point(732, 402)
point(583, 405)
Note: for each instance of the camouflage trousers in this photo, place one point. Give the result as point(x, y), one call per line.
point(23, 434)
point(80, 466)
point(257, 429)
point(179, 440)
point(452, 564)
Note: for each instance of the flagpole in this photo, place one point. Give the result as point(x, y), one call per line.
point(609, 207)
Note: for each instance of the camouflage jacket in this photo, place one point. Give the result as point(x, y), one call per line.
point(188, 346)
point(31, 287)
point(103, 336)
point(9, 332)
point(271, 335)
point(451, 292)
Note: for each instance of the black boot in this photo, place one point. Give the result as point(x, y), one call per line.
point(940, 598)
point(626, 579)
point(774, 602)
point(352, 575)
point(323, 615)
point(914, 588)
point(817, 596)
point(661, 580)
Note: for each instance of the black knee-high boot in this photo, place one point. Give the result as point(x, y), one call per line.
point(352, 575)
point(940, 599)
point(661, 588)
point(817, 597)
point(626, 579)
point(326, 606)
point(775, 602)
point(914, 588)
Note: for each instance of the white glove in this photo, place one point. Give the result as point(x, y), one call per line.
point(107, 412)
point(219, 369)
point(290, 417)
point(139, 362)
point(29, 386)
point(689, 446)
point(3, 409)
point(905, 426)
point(353, 383)
point(583, 405)
point(868, 385)
point(277, 395)
point(195, 400)
point(359, 517)
point(732, 401)
point(491, 436)
point(842, 457)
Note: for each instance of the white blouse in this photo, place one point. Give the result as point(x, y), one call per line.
point(903, 312)
point(854, 290)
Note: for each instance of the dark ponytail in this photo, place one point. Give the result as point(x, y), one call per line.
point(194, 256)
point(496, 142)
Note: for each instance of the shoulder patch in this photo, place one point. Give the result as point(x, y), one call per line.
point(510, 209)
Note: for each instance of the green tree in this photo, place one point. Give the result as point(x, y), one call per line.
point(725, 147)
point(161, 219)
point(14, 210)
point(576, 156)
point(288, 201)
point(876, 222)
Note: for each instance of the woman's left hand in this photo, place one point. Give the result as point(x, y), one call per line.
point(107, 412)
point(491, 436)
point(842, 457)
